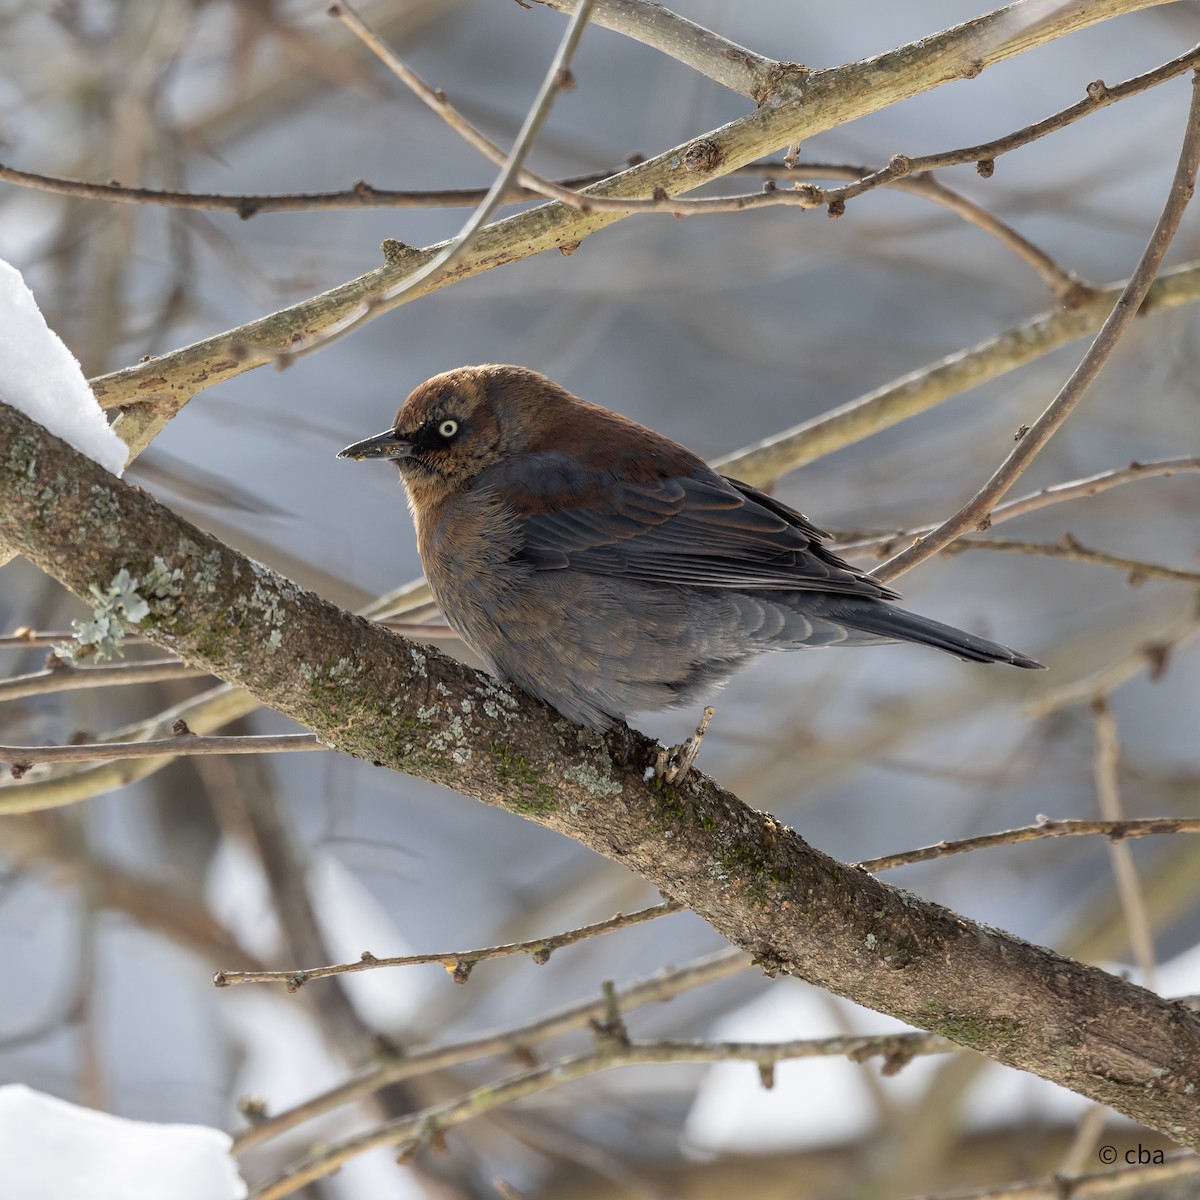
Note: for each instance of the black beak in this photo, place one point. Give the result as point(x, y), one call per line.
point(389, 444)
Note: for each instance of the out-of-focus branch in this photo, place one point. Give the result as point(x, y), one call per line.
point(21, 758)
point(518, 1041)
point(418, 1129)
point(1118, 1181)
point(69, 785)
point(764, 462)
point(1108, 796)
point(1152, 657)
point(64, 678)
point(557, 77)
point(726, 62)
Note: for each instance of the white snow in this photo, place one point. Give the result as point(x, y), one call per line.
point(51, 1149)
point(42, 378)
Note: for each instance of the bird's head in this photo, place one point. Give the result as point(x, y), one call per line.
point(457, 424)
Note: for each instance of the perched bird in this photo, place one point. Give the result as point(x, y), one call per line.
point(605, 568)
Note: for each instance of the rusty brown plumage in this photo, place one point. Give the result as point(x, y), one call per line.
point(605, 568)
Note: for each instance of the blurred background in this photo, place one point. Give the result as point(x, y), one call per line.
point(719, 330)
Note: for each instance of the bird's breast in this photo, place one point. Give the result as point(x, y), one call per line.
point(468, 549)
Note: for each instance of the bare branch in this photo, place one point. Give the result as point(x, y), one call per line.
point(659, 988)
point(458, 962)
point(66, 678)
point(1070, 290)
point(413, 1131)
point(1152, 657)
point(1108, 795)
point(1114, 829)
point(23, 757)
point(726, 62)
point(1039, 433)
point(556, 79)
point(418, 1129)
point(1058, 493)
point(1137, 570)
point(903, 172)
point(55, 786)
point(763, 463)
point(358, 195)
point(151, 392)
point(1098, 96)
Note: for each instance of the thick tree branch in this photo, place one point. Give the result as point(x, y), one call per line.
point(371, 694)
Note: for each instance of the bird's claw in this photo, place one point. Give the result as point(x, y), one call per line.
point(672, 764)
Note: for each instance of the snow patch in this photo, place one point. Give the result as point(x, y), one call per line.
point(42, 378)
point(51, 1149)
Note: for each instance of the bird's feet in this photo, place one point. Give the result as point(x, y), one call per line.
point(673, 763)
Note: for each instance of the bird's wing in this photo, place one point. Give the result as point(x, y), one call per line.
point(697, 530)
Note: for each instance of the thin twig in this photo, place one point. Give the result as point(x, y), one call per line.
point(1058, 493)
point(1089, 1128)
point(521, 176)
point(66, 678)
point(436, 100)
point(1108, 795)
point(458, 962)
point(23, 757)
point(415, 1130)
point(976, 511)
point(360, 195)
point(556, 79)
point(1067, 287)
point(1043, 828)
point(1136, 568)
point(1119, 1181)
point(1099, 96)
point(1094, 484)
point(663, 986)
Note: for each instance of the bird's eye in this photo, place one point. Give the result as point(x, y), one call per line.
point(448, 428)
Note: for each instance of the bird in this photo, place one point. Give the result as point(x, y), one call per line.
point(604, 568)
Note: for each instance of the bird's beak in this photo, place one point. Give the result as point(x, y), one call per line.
point(389, 444)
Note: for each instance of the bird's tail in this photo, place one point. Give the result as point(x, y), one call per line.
point(889, 623)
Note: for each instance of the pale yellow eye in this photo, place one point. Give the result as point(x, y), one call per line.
point(448, 428)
